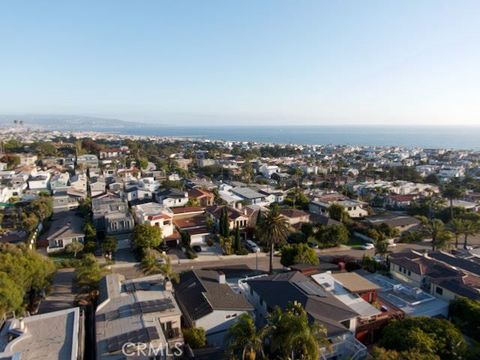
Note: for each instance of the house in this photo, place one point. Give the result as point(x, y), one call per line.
point(5, 193)
point(40, 181)
point(172, 197)
point(354, 208)
point(78, 185)
point(207, 301)
point(236, 217)
point(411, 300)
point(66, 227)
point(27, 159)
point(141, 310)
point(203, 197)
point(87, 161)
point(400, 201)
point(54, 335)
point(295, 217)
point(249, 196)
point(148, 184)
point(195, 226)
point(97, 186)
point(268, 170)
point(59, 183)
point(64, 202)
point(136, 195)
point(154, 214)
point(111, 215)
point(360, 295)
point(400, 222)
point(436, 274)
point(266, 293)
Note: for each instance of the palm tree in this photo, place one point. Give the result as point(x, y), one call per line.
point(452, 192)
point(470, 228)
point(436, 230)
point(291, 336)
point(457, 227)
point(273, 231)
point(244, 341)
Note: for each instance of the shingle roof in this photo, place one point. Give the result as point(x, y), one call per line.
point(282, 289)
point(200, 293)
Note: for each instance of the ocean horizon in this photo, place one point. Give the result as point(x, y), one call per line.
point(405, 136)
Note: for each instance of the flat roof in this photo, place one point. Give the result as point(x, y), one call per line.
point(354, 282)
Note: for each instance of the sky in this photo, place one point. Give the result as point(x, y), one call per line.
point(244, 62)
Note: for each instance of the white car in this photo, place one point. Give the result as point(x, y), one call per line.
point(367, 246)
point(252, 246)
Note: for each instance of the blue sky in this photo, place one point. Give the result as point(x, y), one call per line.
point(244, 62)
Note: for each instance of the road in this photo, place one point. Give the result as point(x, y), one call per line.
point(61, 295)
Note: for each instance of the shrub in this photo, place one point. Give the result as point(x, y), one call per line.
point(195, 337)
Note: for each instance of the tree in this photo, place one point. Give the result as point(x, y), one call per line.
point(89, 273)
point(298, 254)
point(291, 335)
point(465, 313)
point(457, 227)
point(11, 295)
point(90, 231)
point(74, 247)
point(155, 263)
point(237, 245)
point(195, 337)
point(452, 192)
point(109, 245)
point(224, 223)
point(436, 337)
point(436, 230)
point(333, 235)
point(226, 242)
point(470, 229)
point(273, 231)
point(338, 212)
point(244, 341)
point(146, 237)
point(379, 353)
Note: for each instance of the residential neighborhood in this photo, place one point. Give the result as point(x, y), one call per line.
point(182, 244)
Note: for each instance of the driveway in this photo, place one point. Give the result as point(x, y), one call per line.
point(61, 295)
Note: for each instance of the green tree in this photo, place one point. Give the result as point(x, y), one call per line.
point(298, 254)
point(146, 237)
point(109, 245)
point(471, 228)
point(332, 235)
point(379, 353)
point(244, 341)
point(195, 337)
point(237, 244)
point(89, 273)
point(292, 336)
point(90, 231)
point(457, 227)
point(437, 337)
point(338, 212)
point(436, 230)
point(465, 313)
point(11, 295)
point(74, 247)
point(452, 192)
point(155, 263)
point(273, 231)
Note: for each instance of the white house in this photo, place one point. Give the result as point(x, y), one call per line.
point(154, 214)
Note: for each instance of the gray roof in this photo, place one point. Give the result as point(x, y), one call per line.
point(200, 293)
point(53, 335)
point(247, 193)
point(456, 262)
point(282, 289)
point(66, 225)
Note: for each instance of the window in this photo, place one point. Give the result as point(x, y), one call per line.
point(439, 290)
point(409, 273)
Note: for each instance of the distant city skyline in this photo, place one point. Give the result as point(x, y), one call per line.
point(245, 62)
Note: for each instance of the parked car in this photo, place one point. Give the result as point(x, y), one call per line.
point(367, 246)
point(197, 248)
point(313, 245)
point(250, 245)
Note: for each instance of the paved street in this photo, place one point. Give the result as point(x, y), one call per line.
point(61, 295)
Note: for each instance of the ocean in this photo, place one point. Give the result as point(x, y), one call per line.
point(425, 137)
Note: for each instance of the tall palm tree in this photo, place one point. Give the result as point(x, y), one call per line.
point(244, 341)
point(452, 192)
point(471, 228)
point(436, 230)
point(291, 336)
point(273, 231)
point(457, 227)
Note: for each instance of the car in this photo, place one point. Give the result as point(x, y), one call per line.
point(250, 245)
point(197, 248)
point(367, 246)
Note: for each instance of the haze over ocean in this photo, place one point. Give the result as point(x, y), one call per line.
point(426, 137)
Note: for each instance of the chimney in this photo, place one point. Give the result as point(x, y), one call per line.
point(221, 277)
point(239, 205)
